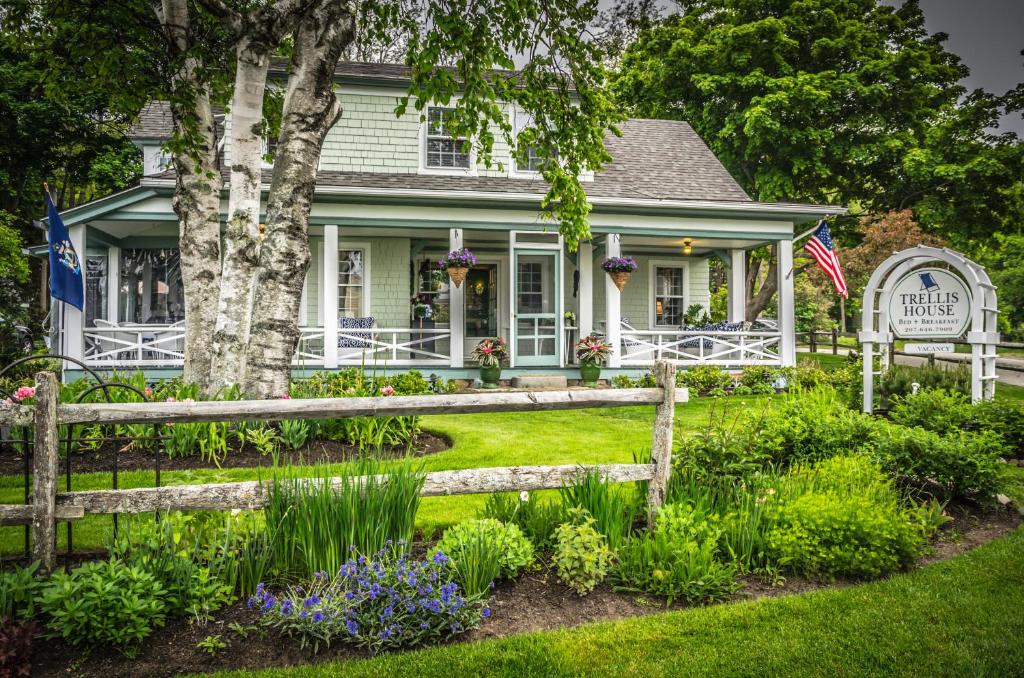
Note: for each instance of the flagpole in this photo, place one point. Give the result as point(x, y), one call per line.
point(803, 235)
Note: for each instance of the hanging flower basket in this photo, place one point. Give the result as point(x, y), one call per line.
point(457, 264)
point(620, 269)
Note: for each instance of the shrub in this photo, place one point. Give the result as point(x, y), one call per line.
point(477, 561)
point(16, 637)
point(511, 549)
point(959, 464)
point(612, 509)
point(537, 519)
point(842, 517)
point(898, 380)
point(759, 375)
point(704, 378)
point(316, 521)
point(1005, 419)
point(677, 559)
point(806, 375)
point(582, 557)
point(106, 603)
point(19, 587)
point(932, 409)
point(385, 601)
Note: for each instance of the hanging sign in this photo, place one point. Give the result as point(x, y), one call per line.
point(930, 303)
point(930, 347)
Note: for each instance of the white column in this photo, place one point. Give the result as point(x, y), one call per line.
point(457, 307)
point(74, 320)
point(585, 320)
point(737, 285)
point(114, 283)
point(787, 313)
point(329, 281)
point(612, 314)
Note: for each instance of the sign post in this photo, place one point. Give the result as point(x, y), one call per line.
point(909, 297)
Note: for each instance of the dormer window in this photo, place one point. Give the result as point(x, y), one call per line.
point(527, 159)
point(443, 150)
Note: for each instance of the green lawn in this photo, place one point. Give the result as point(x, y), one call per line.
point(508, 439)
point(956, 618)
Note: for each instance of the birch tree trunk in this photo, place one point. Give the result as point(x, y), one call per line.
point(310, 110)
point(241, 236)
point(196, 195)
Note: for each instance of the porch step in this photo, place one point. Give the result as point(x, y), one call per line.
point(539, 381)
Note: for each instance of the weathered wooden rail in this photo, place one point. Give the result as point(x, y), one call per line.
point(49, 506)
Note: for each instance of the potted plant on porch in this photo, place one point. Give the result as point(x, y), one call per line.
point(489, 354)
point(619, 268)
point(457, 263)
point(592, 351)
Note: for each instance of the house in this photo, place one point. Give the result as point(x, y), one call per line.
point(394, 195)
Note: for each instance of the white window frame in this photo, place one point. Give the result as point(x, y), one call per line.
point(518, 120)
point(653, 266)
point(365, 296)
point(444, 171)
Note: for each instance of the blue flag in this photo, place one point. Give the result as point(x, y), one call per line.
point(65, 266)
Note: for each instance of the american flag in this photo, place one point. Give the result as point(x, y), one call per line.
point(821, 247)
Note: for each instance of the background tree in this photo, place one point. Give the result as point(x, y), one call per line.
point(828, 101)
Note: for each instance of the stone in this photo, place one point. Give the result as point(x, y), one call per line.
point(1002, 499)
point(539, 381)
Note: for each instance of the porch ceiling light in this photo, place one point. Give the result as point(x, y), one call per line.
point(687, 247)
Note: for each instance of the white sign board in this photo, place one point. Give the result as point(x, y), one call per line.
point(931, 347)
point(929, 303)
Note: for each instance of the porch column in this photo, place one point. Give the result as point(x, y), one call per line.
point(329, 280)
point(787, 314)
point(613, 329)
point(456, 307)
point(114, 283)
point(585, 319)
point(737, 285)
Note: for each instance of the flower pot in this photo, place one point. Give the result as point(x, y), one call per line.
point(590, 373)
point(490, 376)
point(620, 278)
point(457, 275)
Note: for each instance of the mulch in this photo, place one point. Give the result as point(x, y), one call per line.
point(247, 456)
point(536, 601)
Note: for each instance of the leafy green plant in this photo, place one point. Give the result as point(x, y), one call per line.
point(263, 438)
point(513, 551)
point(613, 508)
point(476, 556)
point(538, 519)
point(106, 603)
point(678, 559)
point(317, 521)
point(899, 380)
point(212, 644)
point(932, 409)
point(19, 587)
point(581, 557)
point(294, 433)
point(758, 375)
point(704, 379)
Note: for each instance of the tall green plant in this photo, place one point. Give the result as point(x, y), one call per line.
point(614, 509)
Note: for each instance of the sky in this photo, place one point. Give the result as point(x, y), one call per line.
point(987, 34)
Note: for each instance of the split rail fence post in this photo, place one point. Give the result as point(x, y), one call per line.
point(835, 341)
point(44, 472)
point(661, 445)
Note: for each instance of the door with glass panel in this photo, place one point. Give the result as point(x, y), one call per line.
point(536, 307)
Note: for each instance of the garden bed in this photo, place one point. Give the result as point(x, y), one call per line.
point(246, 456)
point(536, 601)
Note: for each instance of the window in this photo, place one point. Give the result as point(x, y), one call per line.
point(531, 287)
point(443, 151)
point(150, 287)
point(351, 278)
point(669, 295)
point(527, 159)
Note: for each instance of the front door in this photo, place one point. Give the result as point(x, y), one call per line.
point(536, 307)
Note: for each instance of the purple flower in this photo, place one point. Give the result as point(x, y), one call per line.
point(318, 616)
point(485, 613)
point(440, 558)
point(352, 627)
point(287, 607)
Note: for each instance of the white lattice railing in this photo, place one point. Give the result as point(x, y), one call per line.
point(644, 347)
point(396, 347)
point(135, 345)
point(164, 346)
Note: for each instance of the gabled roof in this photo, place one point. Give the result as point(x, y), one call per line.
point(155, 121)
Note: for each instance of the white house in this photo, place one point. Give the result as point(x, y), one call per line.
point(394, 195)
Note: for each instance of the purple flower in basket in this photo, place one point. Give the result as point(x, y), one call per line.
point(619, 265)
point(460, 258)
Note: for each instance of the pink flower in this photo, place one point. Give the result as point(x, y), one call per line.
point(284, 397)
point(148, 391)
point(8, 401)
point(172, 399)
point(387, 390)
point(487, 349)
point(25, 392)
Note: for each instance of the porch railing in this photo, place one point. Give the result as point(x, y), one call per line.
point(644, 347)
point(164, 346)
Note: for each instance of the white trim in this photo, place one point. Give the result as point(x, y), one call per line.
point(329, 295)
point(737, 285)
point(654, 264)
point(456, 307)
point(585, 318)
point(113, 283)
point(421, 143)
point(612, 304)
point(787, 312)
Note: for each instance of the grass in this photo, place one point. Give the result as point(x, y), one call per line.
point(958, 617)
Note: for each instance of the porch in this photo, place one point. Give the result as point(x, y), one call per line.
point(374, 297)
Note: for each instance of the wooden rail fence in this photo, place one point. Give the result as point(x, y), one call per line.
point(49, 506)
